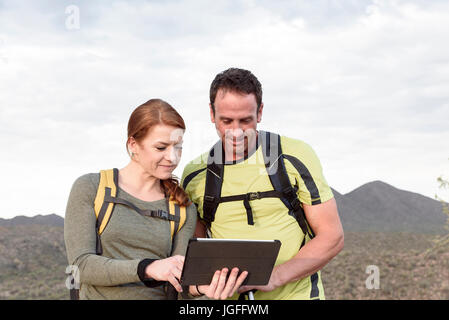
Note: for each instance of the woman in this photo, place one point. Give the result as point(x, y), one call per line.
point(137, 253)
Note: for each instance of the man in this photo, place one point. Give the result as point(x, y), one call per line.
point(239, 188)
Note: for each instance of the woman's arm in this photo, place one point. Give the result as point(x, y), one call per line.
point(80, 240)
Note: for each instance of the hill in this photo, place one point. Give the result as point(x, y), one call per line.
point(43, 220)
point(378, 206)
point(32, 262)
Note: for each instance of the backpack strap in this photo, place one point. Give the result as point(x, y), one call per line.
point(179, 212)
point(175, 225)
point(106, 199)
point(214, 180)
point(247, 197)
point(274, 163)
point(170, 216)
point(107, 187)
point(212, 190)
point(103, 209)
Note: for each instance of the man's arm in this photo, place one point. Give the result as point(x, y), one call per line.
point(200, 230)
point(315, 254)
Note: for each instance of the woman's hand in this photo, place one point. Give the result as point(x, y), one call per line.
point(168, 269)
point(221, 289)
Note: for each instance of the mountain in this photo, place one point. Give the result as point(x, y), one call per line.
point(374, 206)
point(378, 206)
point(47, 220)
point(32, 258)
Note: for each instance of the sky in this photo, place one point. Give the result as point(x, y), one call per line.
point(365, 83)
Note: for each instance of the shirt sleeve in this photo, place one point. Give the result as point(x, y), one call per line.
point(80, 241)
point(305, 166)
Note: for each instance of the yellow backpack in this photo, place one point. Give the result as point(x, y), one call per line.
point(106, 199)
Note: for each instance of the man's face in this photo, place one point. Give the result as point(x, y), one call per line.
point(236, 119)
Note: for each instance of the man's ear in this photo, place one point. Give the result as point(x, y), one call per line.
point(259, 113)
point(212, 113)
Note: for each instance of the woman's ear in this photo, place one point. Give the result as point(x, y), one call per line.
point(132, 146)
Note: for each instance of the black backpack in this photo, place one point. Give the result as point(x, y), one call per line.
point(282, 188)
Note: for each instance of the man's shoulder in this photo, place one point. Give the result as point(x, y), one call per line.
point(296, 147)
point(199, 163)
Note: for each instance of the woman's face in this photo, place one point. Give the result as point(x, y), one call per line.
point(160, 151)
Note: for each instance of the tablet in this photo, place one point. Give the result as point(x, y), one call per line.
point(205, 256)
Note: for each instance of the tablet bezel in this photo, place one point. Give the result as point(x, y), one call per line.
point(259, 267)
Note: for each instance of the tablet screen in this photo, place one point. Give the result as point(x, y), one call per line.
point(205, 256)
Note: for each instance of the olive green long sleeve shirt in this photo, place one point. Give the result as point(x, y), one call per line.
point(127, 239)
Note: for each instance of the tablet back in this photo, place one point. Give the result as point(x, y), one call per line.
point(205, 256)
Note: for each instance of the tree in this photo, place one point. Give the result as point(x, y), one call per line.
point(442, 240)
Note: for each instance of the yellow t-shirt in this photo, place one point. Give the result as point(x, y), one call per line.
point(271, 218)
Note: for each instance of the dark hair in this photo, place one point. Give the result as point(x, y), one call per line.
point(235, 79)
point(145, 117)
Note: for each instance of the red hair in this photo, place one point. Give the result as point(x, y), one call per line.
point(145, 117)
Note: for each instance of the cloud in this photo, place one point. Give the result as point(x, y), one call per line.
point(364, 82)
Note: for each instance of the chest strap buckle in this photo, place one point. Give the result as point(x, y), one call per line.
point(253, 195)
